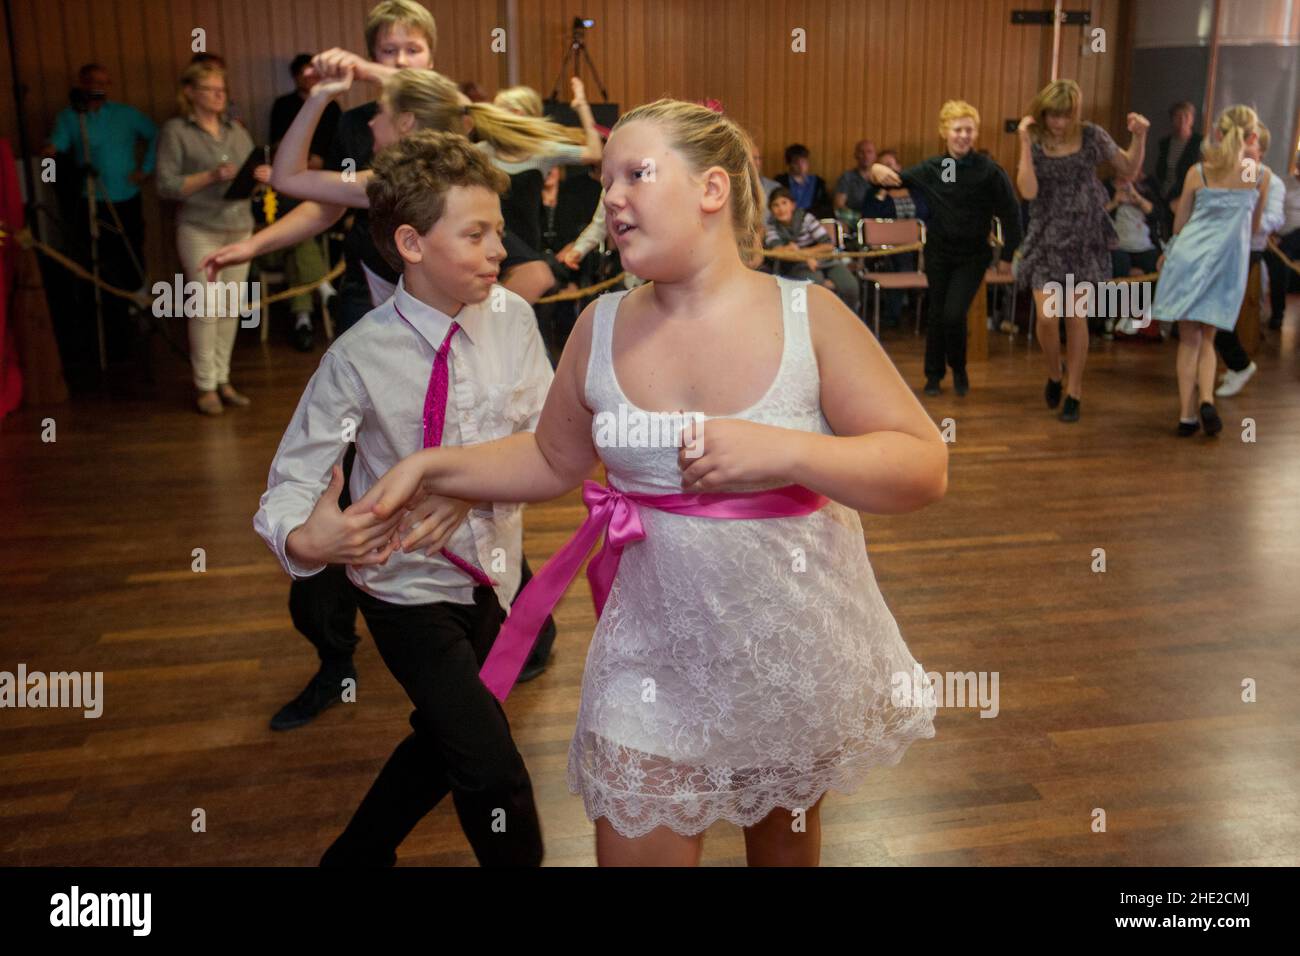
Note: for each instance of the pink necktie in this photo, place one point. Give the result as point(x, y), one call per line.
point(435, 414)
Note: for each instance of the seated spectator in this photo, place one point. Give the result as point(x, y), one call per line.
point(793, 229)
point(1133, 207)
point(854, 184)
point(807, 190)
point(899, 203)
point(1280, 276)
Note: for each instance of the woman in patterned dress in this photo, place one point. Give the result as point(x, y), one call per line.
point(1070, 233)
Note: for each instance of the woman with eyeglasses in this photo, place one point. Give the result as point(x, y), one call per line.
point(199, 152)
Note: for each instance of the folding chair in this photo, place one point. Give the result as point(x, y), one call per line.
point(994, 279)
point(878, 234)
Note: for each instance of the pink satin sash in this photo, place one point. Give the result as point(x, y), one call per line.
point(616, 514)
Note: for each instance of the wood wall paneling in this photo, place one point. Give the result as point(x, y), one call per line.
point(880, 68)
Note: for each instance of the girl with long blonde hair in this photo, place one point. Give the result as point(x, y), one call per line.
point(1204, 268)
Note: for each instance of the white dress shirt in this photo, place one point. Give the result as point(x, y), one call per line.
point(375, 376)
point(1274, 214)
point(381, 290)
point(1291, 207)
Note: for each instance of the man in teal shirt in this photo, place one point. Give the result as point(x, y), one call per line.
point(112, 131)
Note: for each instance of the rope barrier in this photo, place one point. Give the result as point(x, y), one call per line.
point(28, 241)
point(570, 294)
point(787, 256)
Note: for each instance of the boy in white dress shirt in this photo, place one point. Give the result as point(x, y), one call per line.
point(436, 216)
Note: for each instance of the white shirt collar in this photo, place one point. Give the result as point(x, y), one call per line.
point(433, 324)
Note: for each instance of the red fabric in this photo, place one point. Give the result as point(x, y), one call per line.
point(11, 223)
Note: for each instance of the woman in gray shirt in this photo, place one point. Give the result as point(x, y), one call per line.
point(199, 152)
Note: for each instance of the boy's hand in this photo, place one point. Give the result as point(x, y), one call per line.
point(884, 176)
point(334, 82)
point(334, 62)
point(430, 522)
point(331, 536)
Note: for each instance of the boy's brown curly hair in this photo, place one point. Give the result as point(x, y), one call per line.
point(411, 179)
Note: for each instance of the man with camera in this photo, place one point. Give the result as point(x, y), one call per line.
point(102, 137)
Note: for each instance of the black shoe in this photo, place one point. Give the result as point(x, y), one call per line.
point(932, 386)
point(1070, 413)
point(960, 383)
point(321, 692)
point(304, 338)
point(1188, 429)
point(534, 668)
point(1052, 393)
point(1210, 419)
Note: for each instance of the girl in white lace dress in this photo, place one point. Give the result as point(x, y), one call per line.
point(740, 667)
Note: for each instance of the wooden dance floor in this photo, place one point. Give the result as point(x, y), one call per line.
point(1120, 691)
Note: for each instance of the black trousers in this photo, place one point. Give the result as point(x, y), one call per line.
point(324, 609)
point(460, 741)
point(1121, 261)
point(953, 281)
point(353, 300)
point(1228, 345)
point(1279, 276)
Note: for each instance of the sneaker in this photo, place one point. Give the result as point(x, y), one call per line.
point(321, 693)
point(1210, 419)
point(304, 336)
point(1070, 412)
point(534, 669)
point(1187, 429)
point(1234, 382)
point(960, 383)
point(932, 386)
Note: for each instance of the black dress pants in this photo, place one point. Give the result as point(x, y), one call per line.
point(953, 281)
point(460, 741)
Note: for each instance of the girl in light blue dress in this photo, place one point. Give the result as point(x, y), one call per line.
point(1203, 271)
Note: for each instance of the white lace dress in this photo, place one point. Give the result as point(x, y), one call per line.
point(739, 665)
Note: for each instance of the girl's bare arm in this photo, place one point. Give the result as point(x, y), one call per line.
point(886, 455)
point(523, 467)
point(291, 173)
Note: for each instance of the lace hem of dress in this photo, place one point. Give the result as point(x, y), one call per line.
point(634, 815)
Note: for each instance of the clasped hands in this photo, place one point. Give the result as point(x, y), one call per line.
point(359, 536)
